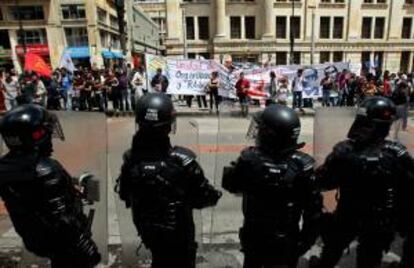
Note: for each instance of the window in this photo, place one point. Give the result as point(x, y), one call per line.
point(296, 58)
point(1, 15)
point(32, 37)
point(113, 21)
point(324, 27)
point(203, 28)
point(101, 15)
point(365, 57)
point(191, 55)
point(409, 2)
point(205, 55)
point(379, 28)
point(366, 28)
point(406, 28)
point(405, 60)
point(338, 28)
point(73, 12)
point(324, 56)
point(338, 56)
point(281, 27)
point(115, 42)
point(104, 39)
point(333, 1)
point(76, 37)
point(375, 1)
point(281, 58)
point(378, 59)
point(295, 26)
point(189, 24)
point(250, 27)
point(4, 39)
point(27, 13)
point(235, 27)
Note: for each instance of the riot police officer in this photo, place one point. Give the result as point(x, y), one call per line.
point(374, 178)
point(278, 187)
point(42, 201)
point(163, 184)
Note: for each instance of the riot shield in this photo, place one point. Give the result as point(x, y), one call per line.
point(226, 218)
point(331, 125)
point(84, 150)
point(121, 131)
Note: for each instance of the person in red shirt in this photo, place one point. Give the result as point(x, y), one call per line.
point(386, 91)
point(242, 86)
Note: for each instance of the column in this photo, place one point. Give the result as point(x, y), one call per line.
point(13, 44)
point(269, 20)
point(220, 18)
point(174, 20)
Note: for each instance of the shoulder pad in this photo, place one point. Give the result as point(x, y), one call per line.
point(397, 148)
point(46, 166)
point(306, 161)
point(186, 156)
point(249, 154)
point(343, 147)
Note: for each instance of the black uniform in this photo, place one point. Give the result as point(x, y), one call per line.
point(375, 178)
point(278, 187)
point(163, 184)
point(39, 194)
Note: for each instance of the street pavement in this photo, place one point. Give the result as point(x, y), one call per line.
point(217, 140)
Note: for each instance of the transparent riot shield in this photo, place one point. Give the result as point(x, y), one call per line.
point(226, 218)
point(331, 125)
point(121, 131)
point(406, 138)
point(84, 150)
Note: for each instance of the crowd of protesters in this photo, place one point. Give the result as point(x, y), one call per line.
point(85, 89)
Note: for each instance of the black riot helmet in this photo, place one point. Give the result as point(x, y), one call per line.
point(276, 129)
point(30, 128)
point(155, 113)
point(373, 120)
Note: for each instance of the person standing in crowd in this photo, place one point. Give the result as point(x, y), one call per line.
point(271, 89)
point(375, 179)
point(159, 82)
point(386, 87)
point(400, 97)
point(213, 90)
point(369, 89)
point(138, 84)
point(86, 102)
point(282, 91)
point(352, 90)
point(327, 84)
point(53, 92)
point(40, 91)
point(297, 89)
point(342, 86)
point(98, 91)
point(281, 205)
point(28, 87)
point(66, 89)
point(42, 201)
point(115, 94)
point(78, 87)
point(162, 185)
point(125, 101)
point(11, 86)
point(242, 87)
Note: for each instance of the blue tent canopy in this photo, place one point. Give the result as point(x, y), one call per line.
point(78, 52)
point(107, 54)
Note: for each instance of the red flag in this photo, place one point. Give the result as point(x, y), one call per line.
point(35, 63)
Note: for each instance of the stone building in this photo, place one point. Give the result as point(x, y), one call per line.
point(377, 31)
point(86, 29)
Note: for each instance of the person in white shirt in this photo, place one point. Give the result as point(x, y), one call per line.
point(139, 84)
point(297, 88)
point(11, 86)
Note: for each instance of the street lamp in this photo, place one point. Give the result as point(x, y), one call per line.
point(21, 31)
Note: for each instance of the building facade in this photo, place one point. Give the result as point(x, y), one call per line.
point(156, 10)
point(86, 29)
point(358, 31)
